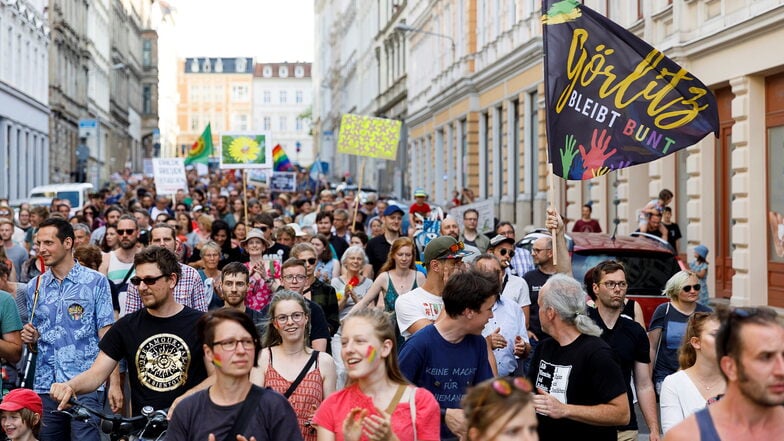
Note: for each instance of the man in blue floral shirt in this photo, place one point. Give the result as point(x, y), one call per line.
point(70, 312)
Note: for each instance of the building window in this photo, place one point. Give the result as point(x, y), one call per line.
point(267, 123)
point(298, 97)
point(239, 93)
point(299, 124)
point(299, 72)
point(147, 99)
point(283, 97)
point(147, 53)
point(266, 72)
point(195, 65)
point(239, 122)
point(218, 91)
point(282, 122)
point(283, 71)
point(267, 97)
point(207, 66)
point(194, 123)
point(194, 94)
point(219, 65)
point(240, 65)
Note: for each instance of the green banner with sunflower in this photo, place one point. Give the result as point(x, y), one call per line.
point(245, 150)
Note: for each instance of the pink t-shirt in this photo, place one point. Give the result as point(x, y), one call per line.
point(333, 411)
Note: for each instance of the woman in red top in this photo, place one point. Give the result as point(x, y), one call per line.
point(287, 354)
point(376, 403)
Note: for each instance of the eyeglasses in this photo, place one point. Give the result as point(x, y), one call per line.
point(311, 261)
point(297, 277)
point(149, 281)
point(505, 386)
point(505, 251)
point(263, 228)
point(611, 284)
point(688, 288)
point(539, 250)
point(472, 219)
point(231, 344)
point(127, 232)
point(295, 317)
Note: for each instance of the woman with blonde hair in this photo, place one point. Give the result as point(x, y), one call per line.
point(501, 409)
point(378, 403)
point(288, 365)
point(668, 323)
point(699, 382)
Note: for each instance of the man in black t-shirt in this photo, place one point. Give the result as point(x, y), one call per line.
point(159, 342)
point(581, 390)
point(377, 248)
point(629, 342)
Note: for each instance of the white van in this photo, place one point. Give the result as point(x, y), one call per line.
point(75, 193)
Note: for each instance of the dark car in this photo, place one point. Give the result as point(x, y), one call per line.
point(649, 261)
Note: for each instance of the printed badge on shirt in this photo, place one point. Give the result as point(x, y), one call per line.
point(554, 379)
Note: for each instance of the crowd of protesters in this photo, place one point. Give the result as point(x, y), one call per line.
point(314, 315)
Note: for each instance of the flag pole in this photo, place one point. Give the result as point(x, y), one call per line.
point(551, 200)
point(356, 196)
point(245, 194)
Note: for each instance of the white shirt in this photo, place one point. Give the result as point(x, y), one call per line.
point(416, 305)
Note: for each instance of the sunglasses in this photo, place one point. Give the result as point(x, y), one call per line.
point(503, 252)
point(311, 261)
point(127, 232)
point(688, 288)
point(149, 281)
point(263, 228)
point(505, 386)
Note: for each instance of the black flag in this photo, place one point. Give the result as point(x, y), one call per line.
point(612, 99)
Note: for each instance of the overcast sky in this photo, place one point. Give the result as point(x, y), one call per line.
point(268, 30)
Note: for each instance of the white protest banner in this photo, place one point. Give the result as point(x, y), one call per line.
point(486, 210)
point(169, 175)
point(283, 181)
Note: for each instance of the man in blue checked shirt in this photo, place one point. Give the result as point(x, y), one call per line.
point(70, 309)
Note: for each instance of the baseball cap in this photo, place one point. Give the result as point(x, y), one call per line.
point(499, 239)
point(297, 229)
point(21, 398)
point(445, 247)
point(420, 192)
point(392, 209)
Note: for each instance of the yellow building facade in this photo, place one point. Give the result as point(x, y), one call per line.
point(216, 91)
point(476, 120)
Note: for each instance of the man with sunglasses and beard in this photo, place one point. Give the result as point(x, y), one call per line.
point(159, 342)
point(750, 350)
point(117, 265)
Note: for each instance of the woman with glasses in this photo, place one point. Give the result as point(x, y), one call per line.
point(378, 403)
point(501, 409)
point(668, 324)
point(316, 290)
point(350, 287)
point(327, 267)
point(288, 365)
point(699, 382)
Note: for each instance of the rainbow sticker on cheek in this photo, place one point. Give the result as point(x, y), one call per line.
point(216, 361)
point(371, 353)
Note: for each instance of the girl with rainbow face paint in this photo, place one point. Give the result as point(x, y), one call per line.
point(375, 401)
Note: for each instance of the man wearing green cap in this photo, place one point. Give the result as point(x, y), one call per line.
point(420, 307)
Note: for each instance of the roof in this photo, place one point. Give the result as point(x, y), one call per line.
point(604, 242)
point(218, 65)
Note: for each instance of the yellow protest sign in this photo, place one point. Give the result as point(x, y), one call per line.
point(369, 136)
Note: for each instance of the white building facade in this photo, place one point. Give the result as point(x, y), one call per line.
point(24, 98)
point(282, 102)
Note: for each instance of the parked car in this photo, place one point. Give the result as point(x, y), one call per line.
point(76, 193)
point(649, 261)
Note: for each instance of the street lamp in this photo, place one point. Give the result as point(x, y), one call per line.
point(406, 28)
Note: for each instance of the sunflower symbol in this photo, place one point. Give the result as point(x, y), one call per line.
point(244, 149)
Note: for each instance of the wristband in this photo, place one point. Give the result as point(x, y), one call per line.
point(443, 415)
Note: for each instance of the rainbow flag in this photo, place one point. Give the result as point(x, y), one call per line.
point(280, 161)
